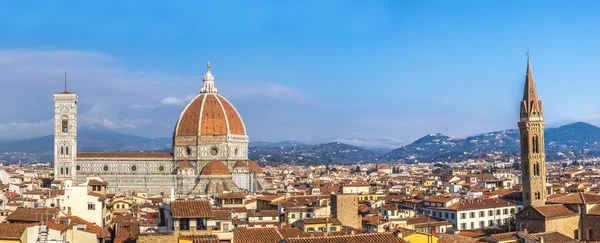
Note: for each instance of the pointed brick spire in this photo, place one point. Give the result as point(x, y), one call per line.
point(531, 106)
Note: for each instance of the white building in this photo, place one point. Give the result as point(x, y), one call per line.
point(80, 200)
point(473, 214)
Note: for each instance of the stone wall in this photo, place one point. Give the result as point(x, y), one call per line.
point(345, 208)
point(565, 226)
point(157, 239)
point(591, 222)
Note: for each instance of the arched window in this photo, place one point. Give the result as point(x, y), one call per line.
point(536, 145)
point(536, 169)
point(525, 144)
point(538, 195)
point(62, 170)
point(67, 150)
point(62, 150)
point(67, 170)
point(65, 124)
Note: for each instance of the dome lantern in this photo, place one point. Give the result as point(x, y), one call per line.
point(209, 82)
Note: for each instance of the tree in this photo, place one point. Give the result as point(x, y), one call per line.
point(516, 165)
point(357, 169)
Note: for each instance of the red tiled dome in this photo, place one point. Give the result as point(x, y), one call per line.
point(239, 164)
point(185, 164)
point(253, 166)
point(215, 168)
point(209, 114)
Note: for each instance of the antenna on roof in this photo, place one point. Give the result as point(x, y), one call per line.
point(65, 81)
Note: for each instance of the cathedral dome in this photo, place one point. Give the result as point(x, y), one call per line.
point(215, 168)
point(209, 113)
point(253, 166)
point(239, 164)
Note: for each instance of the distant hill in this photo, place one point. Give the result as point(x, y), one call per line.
point(286, 144)
point(89, 140)
point(329, 153)
point(568, 141)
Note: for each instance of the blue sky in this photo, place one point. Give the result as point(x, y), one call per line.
point(312, 71)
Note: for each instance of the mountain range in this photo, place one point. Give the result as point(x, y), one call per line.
point(568, 141)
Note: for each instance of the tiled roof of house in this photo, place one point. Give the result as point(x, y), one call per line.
point(94, 182)
point(362, 238)
point(554, 210)
point(479, 204)
point(263, 213)
point(221, 214)
point(264, 235)
point(576, 198)
point(191, 209)
point(89, 227)
point(595, 210)
point(554, 237)
point(449, 238)
point(10, 231)
point(31, 214)
point(232, 196)
point(333, 221)
point(56, 226)
point(201, 238)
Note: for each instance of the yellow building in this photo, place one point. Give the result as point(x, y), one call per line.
point(412, 236)
point(319, 224)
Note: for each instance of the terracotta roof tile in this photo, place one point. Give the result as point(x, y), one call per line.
point(191, 209)
point(185, 164)
point(576, 198)
point(56, 226)
point(257, 235)
point(31, 214)
point(201, 238)
point(554, 237)
point(12, 231)
point(554, 210)
point(215, 167)
point(253, 166)
point(479, 204)
point(90, 227)
point(263, 213)
point(333, 221)
point(218, 117)
point(94, 182)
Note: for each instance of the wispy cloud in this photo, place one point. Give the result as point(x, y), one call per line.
point(18, 129)
point(111, 94)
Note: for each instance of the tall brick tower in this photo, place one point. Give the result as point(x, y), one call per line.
point(533, 158)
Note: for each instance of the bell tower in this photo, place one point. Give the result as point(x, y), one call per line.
point(65, 134)
point(533, 157)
